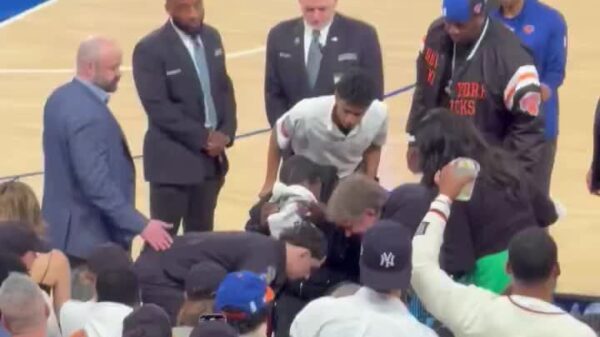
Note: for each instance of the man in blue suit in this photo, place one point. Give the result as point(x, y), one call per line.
point(89, 187)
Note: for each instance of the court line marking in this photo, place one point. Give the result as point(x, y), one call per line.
point(23, 14)
point(390, 94)
point(37, 71)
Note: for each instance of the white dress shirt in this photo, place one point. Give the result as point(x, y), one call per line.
point(188, 42)
point(308, 36)
point(364, 314)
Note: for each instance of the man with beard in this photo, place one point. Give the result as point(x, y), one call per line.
point(345, 130)
point(89, 188)
point(479, 69)
point(181, 78)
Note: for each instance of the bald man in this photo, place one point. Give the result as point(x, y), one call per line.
point(89, 187)
point(306, 56)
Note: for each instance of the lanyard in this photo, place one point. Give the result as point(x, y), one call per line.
point(456, 74)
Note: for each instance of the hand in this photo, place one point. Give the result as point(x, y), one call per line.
point(412, 159)
point(450, 181)
point(156, 235)
point(216, 143)
point(266, 190)
point(266, 210)
point(313, 211)
point(546, 92)
point(588, 180)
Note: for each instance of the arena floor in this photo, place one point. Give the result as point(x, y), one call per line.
point(38, 55)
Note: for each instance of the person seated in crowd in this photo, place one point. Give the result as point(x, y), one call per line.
point(376, 309)
point(346, 130)
point(504, 200)
point(105, 258)
point(118, 295)
point(214, 328)
point(245, 299)
point(201, 283)
point(162, 274)
point(473, 311)
point(23, 307)
point(9, 263)
point(148, 320)
point(20, 240)
point(51, 270)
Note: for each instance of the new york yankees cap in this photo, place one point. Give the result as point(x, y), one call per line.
point(385, 258)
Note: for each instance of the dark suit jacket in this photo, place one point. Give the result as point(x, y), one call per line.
point(596, 156)
point(350, 43)
point(89, 187)
point(171, 93)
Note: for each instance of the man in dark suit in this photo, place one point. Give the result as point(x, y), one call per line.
point(182, 81)
point(306, 56)
point(89, 187)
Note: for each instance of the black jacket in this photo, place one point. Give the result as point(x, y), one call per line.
point(498, 89)
point(171, 93)
point(350, 43)
point(483, 226)
point(596, 158)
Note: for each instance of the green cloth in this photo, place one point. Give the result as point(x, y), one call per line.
point(490, 273)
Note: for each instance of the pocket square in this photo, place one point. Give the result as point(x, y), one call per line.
point(348, 57)
point(218, 52)
point(285, 55)
point(173, 72)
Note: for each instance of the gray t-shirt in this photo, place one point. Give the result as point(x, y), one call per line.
point(310, 131)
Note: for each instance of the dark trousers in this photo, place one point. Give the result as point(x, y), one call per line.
point(194, 204)
point(544, 168)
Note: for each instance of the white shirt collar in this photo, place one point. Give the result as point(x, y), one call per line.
point(324, 32)
point(382, 301)
point(186, 38)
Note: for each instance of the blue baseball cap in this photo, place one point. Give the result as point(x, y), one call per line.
point(461, 11)
point(242, 294)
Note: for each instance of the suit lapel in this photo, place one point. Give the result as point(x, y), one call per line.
point(181, 52)
point(298, 43)
point(330, 54)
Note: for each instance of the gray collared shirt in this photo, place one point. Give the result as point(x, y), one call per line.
point(96, 90)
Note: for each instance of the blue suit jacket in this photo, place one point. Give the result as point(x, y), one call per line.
point(89, 186)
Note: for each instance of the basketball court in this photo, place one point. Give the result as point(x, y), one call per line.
point(38, 55)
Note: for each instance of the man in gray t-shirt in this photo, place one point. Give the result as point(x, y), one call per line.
point(345, 130)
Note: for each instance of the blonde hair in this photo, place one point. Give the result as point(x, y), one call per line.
point(352, 197)
point(19, 203)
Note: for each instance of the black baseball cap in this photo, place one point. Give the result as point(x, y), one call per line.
point(461, 11)
point(385, 259)
point(109, 257)
point(203, 279)
point(17, 238)
point(214, 329)
point(148, 320)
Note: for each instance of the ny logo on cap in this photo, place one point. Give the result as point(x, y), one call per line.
point(387, 260)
